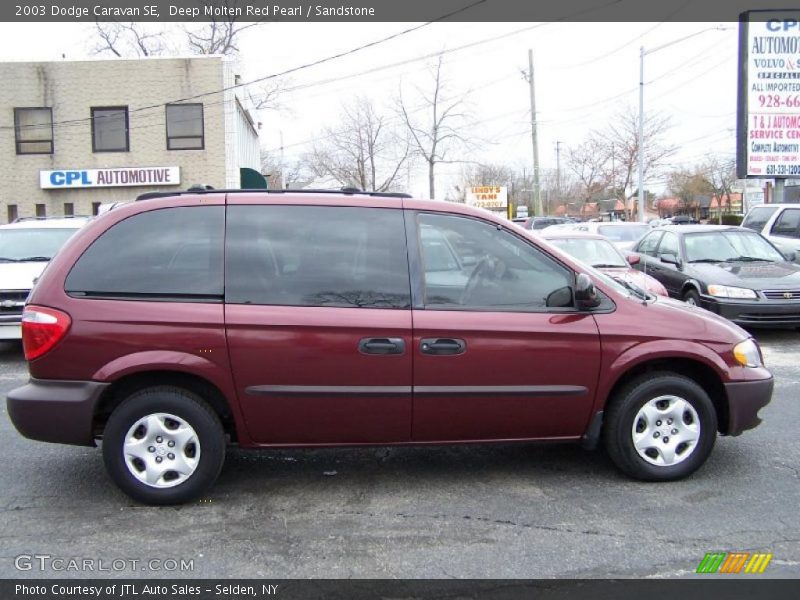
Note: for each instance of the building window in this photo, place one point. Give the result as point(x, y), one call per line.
point(185, 129)
point(95, 208)
point(41, 210)
point(69, 209)
point(33, 130)
point(110, 129)
point(12, 213)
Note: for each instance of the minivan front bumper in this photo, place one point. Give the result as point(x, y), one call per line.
point(55, 410)
point(745, 399)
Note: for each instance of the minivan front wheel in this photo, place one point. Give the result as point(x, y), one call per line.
point(660, 427)
point(163, 445)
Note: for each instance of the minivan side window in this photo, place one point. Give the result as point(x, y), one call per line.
point(788, 223)
point(493, 269)
point(336, 256)
point(758, 217)
point(165, 254)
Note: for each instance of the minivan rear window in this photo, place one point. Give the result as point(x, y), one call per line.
point(171, 253)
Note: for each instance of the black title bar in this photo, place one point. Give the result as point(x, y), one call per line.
point(378, 10)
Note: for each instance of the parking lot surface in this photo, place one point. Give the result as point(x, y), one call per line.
point(492, 511)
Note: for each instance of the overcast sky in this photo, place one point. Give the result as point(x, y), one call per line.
point(585, 73)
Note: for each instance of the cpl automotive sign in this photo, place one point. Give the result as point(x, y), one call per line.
point(768, 131)
point(111, 177)
point(487, 196)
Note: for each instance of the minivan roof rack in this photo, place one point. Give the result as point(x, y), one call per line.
point(348, 191)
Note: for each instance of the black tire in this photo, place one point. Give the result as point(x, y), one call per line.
point(691, 297)
point(174, 401)
point(621, 414)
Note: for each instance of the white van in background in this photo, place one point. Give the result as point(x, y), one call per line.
point(779, 223)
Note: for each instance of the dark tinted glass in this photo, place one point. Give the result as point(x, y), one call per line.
point(788, 224)
point(473, 265)
point(110, 129)
point(317, 256)
point(758, 217)
point(172, 252)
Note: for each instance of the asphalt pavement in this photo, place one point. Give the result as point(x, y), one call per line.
point(491, 511)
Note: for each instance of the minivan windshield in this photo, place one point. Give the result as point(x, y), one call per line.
point(32, 244)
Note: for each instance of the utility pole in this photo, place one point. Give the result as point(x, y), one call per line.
point(534, 140)
point(558, 169)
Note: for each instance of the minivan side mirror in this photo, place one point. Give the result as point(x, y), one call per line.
point(790, 255)
point(633, 259)
point(585, 294)
point(671, 259)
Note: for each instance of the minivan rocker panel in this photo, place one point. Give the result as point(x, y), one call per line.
point(172, 326)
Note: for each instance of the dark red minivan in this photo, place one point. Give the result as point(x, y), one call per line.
point(177, 324)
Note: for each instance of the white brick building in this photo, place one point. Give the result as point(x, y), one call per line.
point(76, 134)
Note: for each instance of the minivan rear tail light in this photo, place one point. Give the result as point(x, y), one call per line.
point(42, 328)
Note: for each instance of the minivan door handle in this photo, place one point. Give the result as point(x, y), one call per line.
point(441, 346)
point(382, 346)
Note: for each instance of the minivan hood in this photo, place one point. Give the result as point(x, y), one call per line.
point(754, 275)
point(19, 276)
point(707, 326)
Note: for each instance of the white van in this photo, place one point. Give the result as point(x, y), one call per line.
point(779, 223)
point(26, 246)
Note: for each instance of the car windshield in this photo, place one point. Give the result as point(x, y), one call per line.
point(730, 246)
point(623, 233)
point(32, 243)
point(598, 253)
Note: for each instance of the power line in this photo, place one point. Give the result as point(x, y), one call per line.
point(293, 69)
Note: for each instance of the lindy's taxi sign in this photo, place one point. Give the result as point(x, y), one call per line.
point(111, 177)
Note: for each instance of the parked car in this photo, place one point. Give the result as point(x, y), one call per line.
point(537, 223)
point(682, 220)
point(598, 252)
point(731, 271)
point(779, 223)
point(26, 246)
point(623, 234)
point(174, 325)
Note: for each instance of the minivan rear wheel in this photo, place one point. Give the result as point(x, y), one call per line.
point(163, 445)
point(660, 427)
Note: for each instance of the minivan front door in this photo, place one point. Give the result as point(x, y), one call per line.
point(501, 356)
point(318, 322)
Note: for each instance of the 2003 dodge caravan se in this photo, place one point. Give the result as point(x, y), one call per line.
point(173, 325)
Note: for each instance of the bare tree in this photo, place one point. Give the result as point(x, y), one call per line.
point(282, 173)
point(218, 36)
point(434, 135)
point(589, 163)
point(128, 39)
point(363, 151)
point(720, 175)
point(621, 141)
